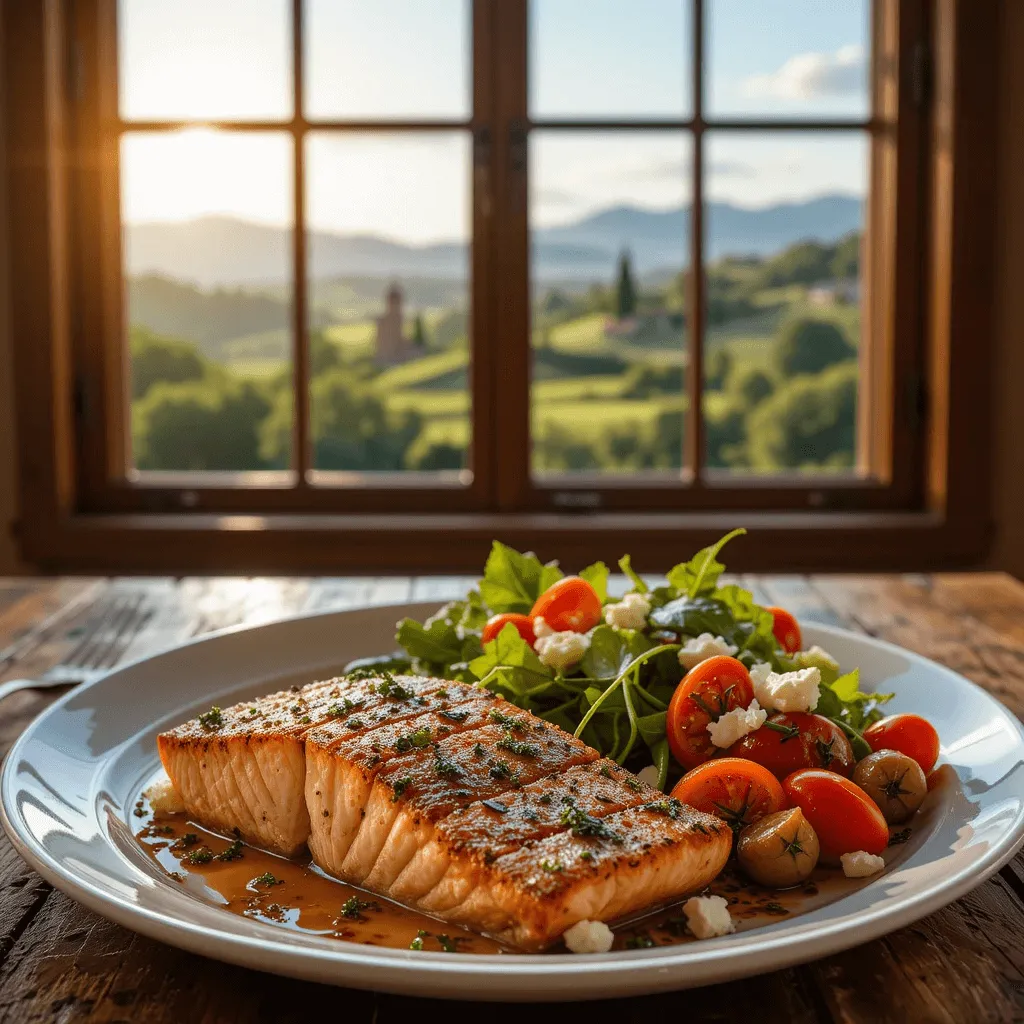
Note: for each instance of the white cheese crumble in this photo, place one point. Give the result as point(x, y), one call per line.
point(735, 724)
point(698, 649)
point(163, 798)
point(816, 657)
point(785, 691)
point(541, 627)
point(860, 864)
point(561, 650)
point(708, 916)
point(588, 937)
point(649, 775)
point(629, 613)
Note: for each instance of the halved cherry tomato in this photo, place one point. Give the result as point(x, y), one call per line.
point(909, 734)
point(707, 692)
point(496, 623)
point(844, 817)
point(733, 789)
point(571, 604)
point(788, 742)
point(786, 630)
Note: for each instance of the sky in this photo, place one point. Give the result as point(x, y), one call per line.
point(231, 59)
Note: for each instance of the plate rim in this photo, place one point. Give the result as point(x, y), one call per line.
point(438, 974)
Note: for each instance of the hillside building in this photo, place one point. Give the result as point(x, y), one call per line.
point(392, 346)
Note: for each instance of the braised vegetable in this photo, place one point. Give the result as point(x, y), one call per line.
point(780, 849)
point(894, 781)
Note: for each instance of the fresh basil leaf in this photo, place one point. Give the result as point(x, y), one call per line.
point(437, 644)
point(512, 581)
point(597, 576)
point(700, 574)
point(638, 584)
point(693, 616)
point(610, 651)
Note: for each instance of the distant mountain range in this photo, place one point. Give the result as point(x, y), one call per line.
point(224, 251)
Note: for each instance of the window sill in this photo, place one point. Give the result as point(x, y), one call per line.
point(781, 542)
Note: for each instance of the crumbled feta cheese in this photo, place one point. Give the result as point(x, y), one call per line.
point(588, 937)
point(541, 627)
point(629, 613)
point(708, 916)
point(816, 657)
point(649, 775)
point(786, 691)
point(561, 650)
point(735, 724)
point(163, 798)
point(701, 648)
point(860, 864)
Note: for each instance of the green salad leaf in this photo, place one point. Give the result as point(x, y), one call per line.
point(597, 576)
point(512, 581)
point(701, 573)
point(638, 584)
point(853, 711)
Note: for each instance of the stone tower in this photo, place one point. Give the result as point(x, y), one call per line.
point(391, 344)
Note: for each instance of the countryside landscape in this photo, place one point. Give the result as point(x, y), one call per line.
point(209, 313)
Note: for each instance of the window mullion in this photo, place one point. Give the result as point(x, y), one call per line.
point(694, 439)
point(301, 449)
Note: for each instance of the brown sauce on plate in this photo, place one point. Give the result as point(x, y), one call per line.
point(295, 894)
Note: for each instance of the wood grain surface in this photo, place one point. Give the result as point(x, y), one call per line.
point(59, 962)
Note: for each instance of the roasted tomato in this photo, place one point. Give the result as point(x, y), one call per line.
point(786, 630)
point(706, 693)
point(844, 818)
point(496, 623)
point(788, 742)
point(570, 605)
point(737, 791)
point(909, 734)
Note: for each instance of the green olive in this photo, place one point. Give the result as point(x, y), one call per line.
point(779, 850)
point(894, 781)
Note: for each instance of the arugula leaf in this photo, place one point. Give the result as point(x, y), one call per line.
point(509, 651)
point(700, 574)
point(597, 576)
point(851, 709)
point(437, 643)
point(638, 584)
point(611, 651)
point(470, 615)
point(695, 616)
point(652, 728)
point(512, 581)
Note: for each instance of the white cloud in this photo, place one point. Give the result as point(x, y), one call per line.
point(813, 75)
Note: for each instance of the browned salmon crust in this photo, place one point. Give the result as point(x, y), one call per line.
point(447, 799)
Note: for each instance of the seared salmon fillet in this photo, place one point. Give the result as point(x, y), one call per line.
point(512, 828)
point(242, 769)
point(447, 799)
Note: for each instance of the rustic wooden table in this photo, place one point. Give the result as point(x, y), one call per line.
point(58, 961)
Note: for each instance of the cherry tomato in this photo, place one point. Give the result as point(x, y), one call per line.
point(571, 604)
point(909, 734)
point(707, 692)
point(786, 630)
point(844, 817)
point(737, 791)
point(788, 742)
point(496, 623)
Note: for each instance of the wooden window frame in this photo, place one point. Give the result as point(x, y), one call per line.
point(933, 277)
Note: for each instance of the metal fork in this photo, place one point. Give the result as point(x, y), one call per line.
point(102, 644)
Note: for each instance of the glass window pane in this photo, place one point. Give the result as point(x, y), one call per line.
point(784, 225)
point(207, 229)
point(609, 216)
point(389, 219)
point(404, 59)
point(205, 60)
point(788, 58)
point(610, 58)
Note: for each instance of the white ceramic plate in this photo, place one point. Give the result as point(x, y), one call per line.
point(73, 776)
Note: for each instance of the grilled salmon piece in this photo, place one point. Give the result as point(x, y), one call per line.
point(597, 870)
point(377, 817)
point(242, 769)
